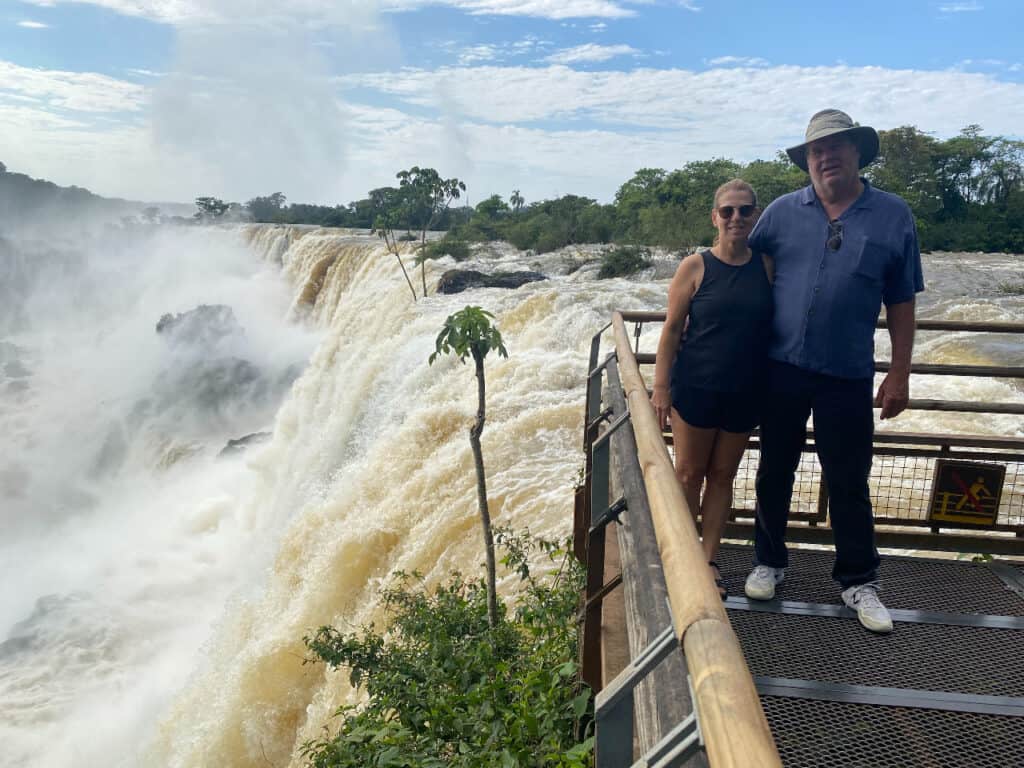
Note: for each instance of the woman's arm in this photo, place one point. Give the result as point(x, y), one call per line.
point(680, 291)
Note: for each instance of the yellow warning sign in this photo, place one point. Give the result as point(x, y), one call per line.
point(966, 492)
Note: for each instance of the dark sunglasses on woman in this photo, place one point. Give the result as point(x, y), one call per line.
point(746, 211)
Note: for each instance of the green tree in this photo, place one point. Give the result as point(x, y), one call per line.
point(906, 166)
point(427, 197)
point(210, 208)
point(469, 333)
point(517, 201)
point(773, 178)
point(267, 208)
point(1005, 171)
point(391, 207)
point(493, 208)
point(636, 194)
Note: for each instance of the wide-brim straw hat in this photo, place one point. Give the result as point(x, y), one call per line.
point(830, 122)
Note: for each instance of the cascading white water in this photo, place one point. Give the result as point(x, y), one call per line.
point(153, 613)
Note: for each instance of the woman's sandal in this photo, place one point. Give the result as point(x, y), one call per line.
point(719, 581)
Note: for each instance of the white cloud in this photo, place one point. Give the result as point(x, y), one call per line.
point(966, 7)
point(238, 12)
point(249, 131)
point(737, 61)
point(331, 12)
point(988, 64)
point(28, 24)
point(492, 52)
point(590, 52)
point(767, 106)
point(690, 5)
point(478, 53)
point(544, 9)
point(77, 91)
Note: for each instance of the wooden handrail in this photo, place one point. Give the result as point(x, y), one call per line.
point(733, 725)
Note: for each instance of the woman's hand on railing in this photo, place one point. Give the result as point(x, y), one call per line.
point(662, 402)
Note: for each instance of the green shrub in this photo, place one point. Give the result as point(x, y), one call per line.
point(622, 261)
point(550, 240)
point(457, 249)
point(444, 689)
point(1011, 288)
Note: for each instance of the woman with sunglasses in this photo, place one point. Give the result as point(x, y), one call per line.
point(710, 360)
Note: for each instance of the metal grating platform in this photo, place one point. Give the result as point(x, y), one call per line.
point(945, 689)
point(947, 586)
point(812, 734)
point(931, 657)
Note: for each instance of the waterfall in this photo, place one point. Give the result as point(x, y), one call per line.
point(154, 611)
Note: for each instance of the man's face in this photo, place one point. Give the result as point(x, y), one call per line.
point(833, 162)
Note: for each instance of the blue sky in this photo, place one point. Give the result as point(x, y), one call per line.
point(326, 99)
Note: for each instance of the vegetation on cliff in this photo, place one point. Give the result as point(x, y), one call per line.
point(446, 688)
point(967, 193)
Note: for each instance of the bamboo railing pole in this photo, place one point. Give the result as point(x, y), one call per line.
point(731, 719)
point(732, 723)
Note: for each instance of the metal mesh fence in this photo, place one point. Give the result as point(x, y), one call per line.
point(901, 488)
point(806, 486)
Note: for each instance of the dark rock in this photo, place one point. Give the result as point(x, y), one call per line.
point(204, 326)
point(211, 384)
point(234, 447)
point(458, 280)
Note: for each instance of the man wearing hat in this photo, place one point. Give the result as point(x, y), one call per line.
point(841, 248)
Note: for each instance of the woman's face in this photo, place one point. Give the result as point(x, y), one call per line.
point(728, 215)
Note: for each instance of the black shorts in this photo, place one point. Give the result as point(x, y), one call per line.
point(710, 409)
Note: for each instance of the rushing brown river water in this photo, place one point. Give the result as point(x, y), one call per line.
point(156, 596)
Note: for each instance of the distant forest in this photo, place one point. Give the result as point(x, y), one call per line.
point(967, 193)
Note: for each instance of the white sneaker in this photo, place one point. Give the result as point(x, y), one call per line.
point(761, 582)
point(863, 598)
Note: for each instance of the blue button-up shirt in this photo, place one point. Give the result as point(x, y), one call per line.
point(827, 302)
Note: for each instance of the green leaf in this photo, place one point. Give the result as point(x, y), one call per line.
point(579, 704)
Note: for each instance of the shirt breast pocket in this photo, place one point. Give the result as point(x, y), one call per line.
point(872, 261)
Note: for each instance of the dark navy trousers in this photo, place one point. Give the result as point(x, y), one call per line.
point(843, 432)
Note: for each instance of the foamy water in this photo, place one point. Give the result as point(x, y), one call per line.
point(154, 612)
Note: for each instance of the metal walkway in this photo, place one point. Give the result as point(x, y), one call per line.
point(946, 688)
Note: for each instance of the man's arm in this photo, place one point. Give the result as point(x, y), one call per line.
point(894, 392)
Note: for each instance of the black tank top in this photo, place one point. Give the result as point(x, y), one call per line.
point(725, 344)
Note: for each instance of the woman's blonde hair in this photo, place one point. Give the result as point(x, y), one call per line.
point(739, 185)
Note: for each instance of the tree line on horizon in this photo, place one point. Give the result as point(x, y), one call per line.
point(966, 192)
